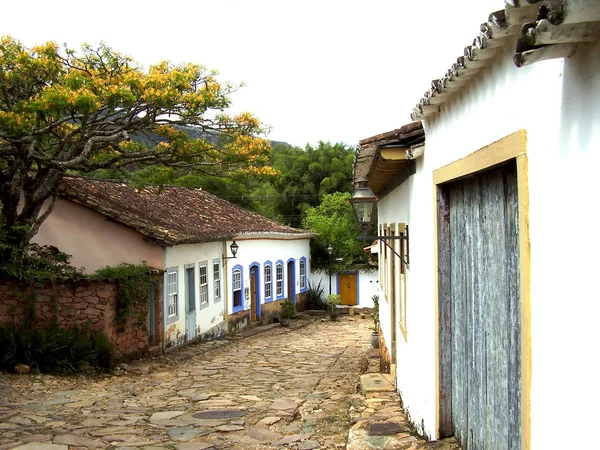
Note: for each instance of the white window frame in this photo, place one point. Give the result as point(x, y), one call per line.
point(302, 274)
point(217, 280)
point(203, 284)
point(237, 286)
point(279, 279)
point(172, 293)
point(268, 274)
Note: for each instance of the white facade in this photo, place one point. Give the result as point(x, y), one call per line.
point(196, 266)
point(368, 285)
point(557, 103)
point(284, 257)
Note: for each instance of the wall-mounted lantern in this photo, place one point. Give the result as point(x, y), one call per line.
point(234, 249)
point(363, 201)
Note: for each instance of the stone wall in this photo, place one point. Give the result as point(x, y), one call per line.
point(82, 303)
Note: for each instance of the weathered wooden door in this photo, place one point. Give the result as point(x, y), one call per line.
point(348, 288)
point(253, 293)
point(484, 320)
point(291, 281)
point(190, 301)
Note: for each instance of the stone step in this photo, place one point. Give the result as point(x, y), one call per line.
point(374, 383)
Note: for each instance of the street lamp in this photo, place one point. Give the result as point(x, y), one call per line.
point(330, 251)
point(363, 201)
point(234, 249)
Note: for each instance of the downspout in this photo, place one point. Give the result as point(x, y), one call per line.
point(225, 287)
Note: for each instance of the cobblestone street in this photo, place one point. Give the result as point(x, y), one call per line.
point(275, 388)
point(281, 388)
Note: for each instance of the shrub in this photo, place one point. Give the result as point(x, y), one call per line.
point(288, 309)
point(375, 313)
point(52, 349)
point(316, 296)
point(135, 281)
point(332, 301)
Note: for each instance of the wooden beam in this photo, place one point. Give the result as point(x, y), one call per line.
point(393, 153)
point(544, 53)
point(579, 11)
point(545, 33)
point(415, 152)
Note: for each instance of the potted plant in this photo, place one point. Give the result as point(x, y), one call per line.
point(287, 312)
point(375, 317)
point(332, 301)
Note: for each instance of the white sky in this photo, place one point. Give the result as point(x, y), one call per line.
point(329, 70)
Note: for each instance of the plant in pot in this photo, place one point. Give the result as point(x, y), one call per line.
point(375, 317)
point(287, 312)
point(332, 301)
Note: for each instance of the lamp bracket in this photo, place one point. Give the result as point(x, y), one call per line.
point(224, 259)
point(383, 239)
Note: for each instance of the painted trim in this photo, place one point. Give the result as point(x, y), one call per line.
point(257, 286)
point(293, 280)
point(513, 146)
point(217, 261)
point(174, 318)
point(235, 309)
point(207, 304)
point(303, 260)
point(266, 264)
point(282, 296)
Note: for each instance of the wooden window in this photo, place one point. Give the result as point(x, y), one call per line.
point(268, 281)
point(279, 279)
point(217, 280)
point(238, 303)
point(172, 292)
point(302, 274)
point(203, 283)
point(401, 249)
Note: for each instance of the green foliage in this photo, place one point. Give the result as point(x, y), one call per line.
point(52, 349)
point(288, 310)
point(316, 296)
point(308, 175)
point(135, 281)
point(37, 264)
point(64, 111)
point(375, 313)
point(332, 301)
point(333, 221)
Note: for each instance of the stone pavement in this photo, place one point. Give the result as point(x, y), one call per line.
point(264, 388)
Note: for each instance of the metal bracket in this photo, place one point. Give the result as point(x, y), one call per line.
point(385, 238)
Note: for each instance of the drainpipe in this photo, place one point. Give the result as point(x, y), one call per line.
point(225, 288)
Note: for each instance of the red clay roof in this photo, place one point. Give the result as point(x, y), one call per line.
point(175, 215)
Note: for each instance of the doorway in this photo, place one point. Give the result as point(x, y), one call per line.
point(254, 292)
point(348, 288)
point(291, 280)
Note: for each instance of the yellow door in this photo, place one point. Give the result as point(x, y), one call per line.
point(348, 288)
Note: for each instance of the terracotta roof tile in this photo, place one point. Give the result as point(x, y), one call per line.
point(175, 215)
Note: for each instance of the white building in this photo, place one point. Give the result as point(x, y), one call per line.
point(489, 328)
point(187, 233)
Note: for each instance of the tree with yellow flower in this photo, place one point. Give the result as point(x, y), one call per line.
point(62, 111)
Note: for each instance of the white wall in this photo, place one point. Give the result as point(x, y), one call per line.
point(368, 285)
point(261, 251)
point(208, 319)
point(558, 103)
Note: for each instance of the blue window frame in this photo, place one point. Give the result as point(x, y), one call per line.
point(237, 285)
point(279, 291)
point(268, 277)
point(303, 279)
point(172, 294)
